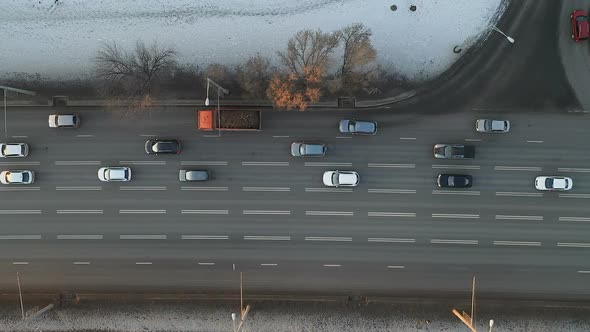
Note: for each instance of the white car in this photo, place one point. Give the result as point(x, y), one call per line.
point(492, 126)
point(341, 178)
point(108, 174)
point(64, 120)
point(17, 177)
point(553, 183)
point(8, 150)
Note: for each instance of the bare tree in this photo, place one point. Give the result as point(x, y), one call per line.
point(309, 49)
point(358, 54)
point(254, 76)
point(136, 73)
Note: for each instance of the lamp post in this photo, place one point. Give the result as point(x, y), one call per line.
point(7, 88)
point(491, 324)
point(495, 28)
point(233, 319)
point(220, 90)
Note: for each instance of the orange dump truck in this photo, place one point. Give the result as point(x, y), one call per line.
point(230, 119)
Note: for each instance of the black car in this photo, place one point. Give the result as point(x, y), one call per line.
point(454, 181)
point(157, 146)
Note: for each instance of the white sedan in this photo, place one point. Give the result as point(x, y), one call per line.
point(553, 183)
point(341, 178)
point(492, 126)
point(17, 177)
point(14, 150)
point(108, 174)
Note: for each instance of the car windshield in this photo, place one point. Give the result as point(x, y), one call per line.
point(581, 19)
point(549, 183)
point(25, 177)
point(335, 178)
point(165, 146)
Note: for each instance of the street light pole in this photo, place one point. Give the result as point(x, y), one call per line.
point(510, 39)
point(219, 88)
point(491, 324)
point(7, 88)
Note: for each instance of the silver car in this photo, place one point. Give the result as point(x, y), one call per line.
point(17, 177)
point(64, 120)
point(492, 126)
point(192, 175)
point(553, 183)
point(301, 149)
point(341, 178)
point(8, 150)
point(114, 173)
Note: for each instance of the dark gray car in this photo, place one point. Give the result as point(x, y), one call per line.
point(193, 175)
point(301, 149)
point(358, 127)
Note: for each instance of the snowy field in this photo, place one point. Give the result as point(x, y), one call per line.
point(58, 39)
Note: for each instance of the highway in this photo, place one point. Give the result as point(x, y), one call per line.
point(269, 215)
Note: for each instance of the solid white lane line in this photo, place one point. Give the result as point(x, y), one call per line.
point(390, 240)
point(344, 137)
point(574, 195)
point(323, 164)
point(203, 163)
point(573, 244)
point(20, 263)
point(205, 237)
point(518, 194)
point(396, 267)
point(20, 163)
point(408, 138)
point(19, 188)
point(20, 136)
point(378, 165)
point(517, 168)
point(79, 237)
point(582, 271)
point(517, 243)
point(85, 135)
point(473, 140)
point(328, 238)
point(277, 189)
point(79, 211)
point(392, 191)
point(267, 238)
point(331, 265)
point(142, 162)
point(265, 163)
point(456, 166)
point(329, 213)
point(509, 217)
point(142, 237)
point(455, 215)
point(575, 170)
point(78, 163)
point(574, 219)
point(143, 263)
point(20, 211)
point(142, 211)
point(204, 211)
point(328, 190)
point(456, 192)
point(268, 264)
point(81, 263)
point(78, 188)
point(205, 188)
point(144, 188)
point(534, 142)
point(265, 212)
point(443, 241)
point(391, 214)
point(20, 237)
point(206, 263)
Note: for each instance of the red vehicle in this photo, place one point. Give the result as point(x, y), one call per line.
point(580, 29)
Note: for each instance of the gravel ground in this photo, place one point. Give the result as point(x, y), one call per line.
point(296, 316)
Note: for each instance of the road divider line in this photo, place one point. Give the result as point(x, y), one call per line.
point(329, 213)
point(268, 264)
point(280, 136)
point(205, 237)
point(320, 164)
point(574, 170)
point(205, 188)
point(518, 168)
point(392, 191)
point(265, 163)
point(20, 136)
point(343, 137)
point(265, 212)
point(390, 240)
point(20, 188)
point(455, 215)
point(20, 237)
point(142, 237)
point(274, 189)
point(444, 241)
point(77, 163)
point(538, 142)
point(20, 211)
point(574, 196)
point(20, 163)
point(518, 194)
point(79, 211)
point(96, 188)
point(509, 217)
point(84, 135)
point(206, 263)
point(408, 138)
point(331, 265)
point(203, 163)
point(456, 166)
point(79, 237)
point(143, 162)
point(204, 211)
point(473, 140)
point(20, 263)
point(391, 214)
point(267, 238)
point(517, 243)
point(143, 263)
point(142, 188)
point(142, 211)
point(583, 272)
point(573, 244)
point(574, 219)
point(396, 267)
point(456, 192)
point(328, 238)
point(81, 263)
point(328, 190)
point(378, 165)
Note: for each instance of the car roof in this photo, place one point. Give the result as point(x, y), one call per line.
point(347, 178)
point(116, 173)
point(66, 119)
point(196, 175)
point(314, 148)
point(365, 126)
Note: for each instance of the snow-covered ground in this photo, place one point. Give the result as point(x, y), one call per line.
point(59, 38)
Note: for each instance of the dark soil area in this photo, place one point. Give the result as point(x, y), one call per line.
point(236, 119)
